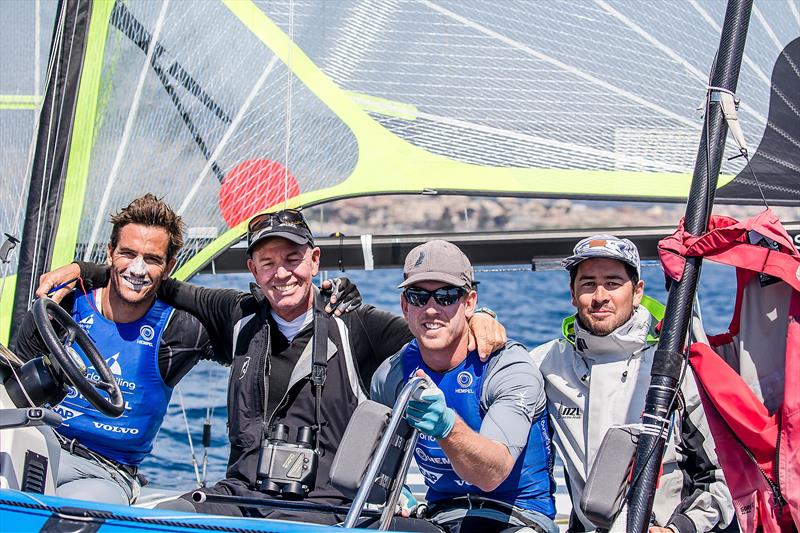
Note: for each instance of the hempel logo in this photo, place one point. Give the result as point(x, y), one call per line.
point(146, 333)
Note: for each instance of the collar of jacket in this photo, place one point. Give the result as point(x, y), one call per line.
point(627, 338)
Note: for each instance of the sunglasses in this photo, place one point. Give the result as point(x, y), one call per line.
point(443, 296)
point(285, 217)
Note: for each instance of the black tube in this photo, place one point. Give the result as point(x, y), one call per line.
point(207, 434)
point(668, 359)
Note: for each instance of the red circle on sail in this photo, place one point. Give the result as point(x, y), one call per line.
point(252, 186)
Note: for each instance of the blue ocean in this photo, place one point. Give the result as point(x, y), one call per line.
point(530, 305)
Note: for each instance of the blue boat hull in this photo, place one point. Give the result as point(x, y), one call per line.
point(21, 511)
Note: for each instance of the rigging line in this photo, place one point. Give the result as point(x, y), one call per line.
point(57, 46)
point(126, 133)
point(38, 117)
point(559, 64)
point(232, 127)
point(758, 184)
point(188, 435)
point(48, 168)
point(289, 70)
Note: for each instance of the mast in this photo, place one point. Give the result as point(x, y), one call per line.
point(669, 358)
point(48, 172)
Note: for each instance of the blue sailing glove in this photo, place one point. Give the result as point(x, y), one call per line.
point(428, 412)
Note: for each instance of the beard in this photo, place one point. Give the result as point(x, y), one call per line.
point(601, 328)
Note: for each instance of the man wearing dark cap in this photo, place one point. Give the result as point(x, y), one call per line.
point(597, 376)
point(484, 446)
point(280, 377)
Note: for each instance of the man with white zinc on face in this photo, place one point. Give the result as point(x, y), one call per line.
point(148, 345)
point(484, 448)
point(597, 376)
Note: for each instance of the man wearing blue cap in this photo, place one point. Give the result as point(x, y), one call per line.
point(596, 377)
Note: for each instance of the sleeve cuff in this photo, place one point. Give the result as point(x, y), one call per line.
point(680, 523)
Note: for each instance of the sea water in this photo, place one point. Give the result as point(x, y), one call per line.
point(531, 305)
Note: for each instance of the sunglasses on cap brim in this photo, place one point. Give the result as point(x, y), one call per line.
point(444, 296)
point(285, 217)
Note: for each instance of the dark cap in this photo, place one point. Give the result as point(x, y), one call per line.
point(288, 224)
point(438, 261)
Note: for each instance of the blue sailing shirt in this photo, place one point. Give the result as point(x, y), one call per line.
point(528, 486)
point(131, 352)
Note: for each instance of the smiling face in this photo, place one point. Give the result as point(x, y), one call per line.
point(604, 295)
point(441, 331)
point(139, 263)
point(284, 271)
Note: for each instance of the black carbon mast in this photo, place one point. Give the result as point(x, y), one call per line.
point(670, 359)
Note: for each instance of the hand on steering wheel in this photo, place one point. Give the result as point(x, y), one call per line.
point(67, 361)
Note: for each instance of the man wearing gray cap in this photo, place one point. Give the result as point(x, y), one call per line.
point(596, 377)
point(484, 446)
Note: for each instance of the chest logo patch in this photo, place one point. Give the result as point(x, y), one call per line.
point(565, 411)
point(245, 366)
point(147, 332)
point(464, 379)
point(87, 323)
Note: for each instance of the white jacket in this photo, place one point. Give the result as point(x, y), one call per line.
point(594, 383)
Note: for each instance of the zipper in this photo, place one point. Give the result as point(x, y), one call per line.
point(779, 500)
point(263, 376)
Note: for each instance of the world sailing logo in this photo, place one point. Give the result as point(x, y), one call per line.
point(116, 369)
point(87, 323)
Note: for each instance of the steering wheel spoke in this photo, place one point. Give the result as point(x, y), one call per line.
point(102, 385)
point(61, 353)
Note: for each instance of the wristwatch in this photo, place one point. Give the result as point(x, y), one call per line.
point(487, 311)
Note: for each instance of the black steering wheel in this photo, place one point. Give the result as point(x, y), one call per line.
point(67, 361)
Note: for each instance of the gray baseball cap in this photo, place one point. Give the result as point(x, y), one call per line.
point(438, 261)
point(607, 246)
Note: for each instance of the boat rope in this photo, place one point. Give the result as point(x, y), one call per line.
point(189, 436)
point(96, 515)
point(207, 426)
point(729, 103)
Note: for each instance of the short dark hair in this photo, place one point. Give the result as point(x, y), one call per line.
point(148, 210)
point(629, 269)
